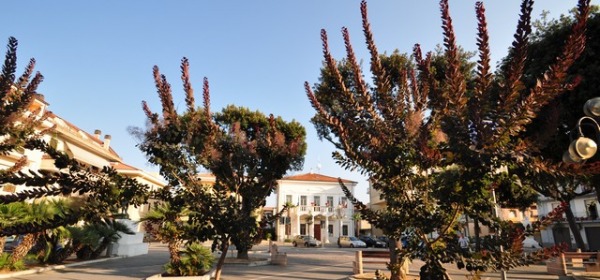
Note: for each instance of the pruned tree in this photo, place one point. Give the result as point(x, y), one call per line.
point(246, 151)
point(436, 142)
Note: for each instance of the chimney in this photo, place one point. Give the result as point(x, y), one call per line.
point(97, 133)
point(107, 141)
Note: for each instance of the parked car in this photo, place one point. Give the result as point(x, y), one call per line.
point(350, 241)
point(372, 242)
point(11, 243)
point(384, 239)
point(529, 242)
point(306, 241)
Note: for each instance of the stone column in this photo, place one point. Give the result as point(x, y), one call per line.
point(297, 225)
point(312, 226)
point(326, 239)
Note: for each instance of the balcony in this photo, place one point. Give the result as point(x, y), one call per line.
point(316, 209)
point(581, 217)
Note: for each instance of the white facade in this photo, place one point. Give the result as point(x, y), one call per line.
point(585, 209)
point(320, 207)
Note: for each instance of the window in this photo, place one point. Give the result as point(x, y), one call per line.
point(303, 229)
point(591, 208)
point(317, 200)
point(345, 230)
point(303, 200)
point(344, 201)
point(288, 198)
point(329, 201)
point(329, 204)
point(330, 230)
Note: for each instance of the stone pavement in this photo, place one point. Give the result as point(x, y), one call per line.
point(303, 263)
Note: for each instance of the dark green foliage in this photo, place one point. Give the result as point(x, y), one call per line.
point(195, 260)
point(6, 264)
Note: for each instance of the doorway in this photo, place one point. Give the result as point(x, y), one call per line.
point(592, 235)
point(562, 235)
point(318, 231)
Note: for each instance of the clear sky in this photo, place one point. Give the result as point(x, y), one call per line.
point(97, 56)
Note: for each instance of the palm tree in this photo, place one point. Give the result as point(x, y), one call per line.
point(35, 212)
point(164, 222)
point(48, 248)
point(91, 240)
point(110, 232)
point(9, 215)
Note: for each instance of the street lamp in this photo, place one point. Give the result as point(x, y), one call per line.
point(583, 148)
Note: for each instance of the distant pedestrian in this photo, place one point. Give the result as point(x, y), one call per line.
point(463, 242)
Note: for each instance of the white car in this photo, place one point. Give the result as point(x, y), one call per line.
point(529, 242)
point(306, 241)
point(351, 241)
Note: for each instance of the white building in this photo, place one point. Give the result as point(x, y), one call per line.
point(585, 209)
point(320, 207)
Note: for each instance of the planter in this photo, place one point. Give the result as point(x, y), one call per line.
point(208, 276)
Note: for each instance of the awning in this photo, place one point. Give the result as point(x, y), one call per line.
point(86, 156)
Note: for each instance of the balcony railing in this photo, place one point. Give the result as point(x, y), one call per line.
point(318, 209)
point(580, 216)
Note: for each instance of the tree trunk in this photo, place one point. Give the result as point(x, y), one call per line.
point(96, 253)
point(242, 253)
point(2, 244)
point(23, 248)
point(597, 187)
point(221, 261)
point(574, 229)
point(62, 255)
point(396, 265)
point(173, 247)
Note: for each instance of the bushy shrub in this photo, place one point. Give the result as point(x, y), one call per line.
point(195, 260)
point(7, 265)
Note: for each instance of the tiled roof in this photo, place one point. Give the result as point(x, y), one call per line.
point(123, 166)
point(314, 177)
point(88, 137)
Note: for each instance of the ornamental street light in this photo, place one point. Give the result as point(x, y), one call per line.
point(583, 148)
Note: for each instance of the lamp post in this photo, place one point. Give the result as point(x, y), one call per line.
point(582, 147)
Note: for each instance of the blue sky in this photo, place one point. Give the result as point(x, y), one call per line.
point(97, 56)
